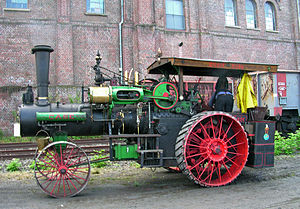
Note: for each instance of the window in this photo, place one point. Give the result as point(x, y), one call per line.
point(174, 15)
point(230, 13)
point(270, 16)
point(17, 4)
point(95, 6)
point(251, 14)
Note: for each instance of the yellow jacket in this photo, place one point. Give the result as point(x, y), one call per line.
point(245, 94)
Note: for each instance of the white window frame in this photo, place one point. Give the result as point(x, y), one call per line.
point(96, 9)
point(254, 24)
point(9, 4)
point(171, 15)
point(273, 18)
point(231, 13)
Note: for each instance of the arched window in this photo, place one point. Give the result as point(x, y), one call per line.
point(175, 15)
point(230, 13)
point(270, 16)
point(251, 14)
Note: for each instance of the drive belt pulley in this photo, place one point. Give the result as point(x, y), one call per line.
point(166, 95)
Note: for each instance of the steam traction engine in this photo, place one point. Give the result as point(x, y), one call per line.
point(163, 124)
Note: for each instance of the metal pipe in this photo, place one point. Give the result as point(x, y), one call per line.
point(42, 59)
point(120, 40)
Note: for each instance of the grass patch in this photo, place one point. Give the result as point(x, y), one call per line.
point(287, 145)
point(13, 139)
point(14, 165)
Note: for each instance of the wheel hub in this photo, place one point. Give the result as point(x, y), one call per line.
point(63, 170)
point(217, 150)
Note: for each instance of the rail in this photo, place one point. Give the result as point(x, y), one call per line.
point(26, 150)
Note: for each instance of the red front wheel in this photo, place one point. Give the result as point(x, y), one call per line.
point(62, 169)
point(212, 148)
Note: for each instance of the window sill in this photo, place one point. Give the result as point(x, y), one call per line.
point(16, 10)
point(272, 31)
point(233, 26)
point(175, 30)
point(95, 14)
point(255, 29)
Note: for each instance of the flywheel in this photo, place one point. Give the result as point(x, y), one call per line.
point(166, 95)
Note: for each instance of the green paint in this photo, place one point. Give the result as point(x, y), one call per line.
point(126, 152)
point(127, 95)
point(60, 136)
point(60, 116)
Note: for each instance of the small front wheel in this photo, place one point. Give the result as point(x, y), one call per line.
point(62, 169)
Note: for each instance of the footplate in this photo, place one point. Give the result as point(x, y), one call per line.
point(151, 158)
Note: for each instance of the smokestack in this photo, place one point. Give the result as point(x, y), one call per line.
point(42, 58)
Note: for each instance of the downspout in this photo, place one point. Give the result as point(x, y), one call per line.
point(120, 41)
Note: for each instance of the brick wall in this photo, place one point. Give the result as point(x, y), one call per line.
point(76, 37)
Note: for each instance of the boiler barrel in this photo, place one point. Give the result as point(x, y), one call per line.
point(65, 118)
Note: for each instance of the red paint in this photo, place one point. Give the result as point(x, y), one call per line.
point(278, 111)
point(65, 117)
point(225, 65)
point(281, 84)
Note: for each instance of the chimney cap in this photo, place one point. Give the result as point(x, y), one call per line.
point(41, 48)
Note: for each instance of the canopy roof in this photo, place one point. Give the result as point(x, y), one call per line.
point(200, 67)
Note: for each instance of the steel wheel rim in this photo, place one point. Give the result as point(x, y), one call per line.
point(62, 175)
point(215, 150)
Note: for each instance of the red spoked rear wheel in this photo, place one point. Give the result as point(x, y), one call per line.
point(212, 148)
point(62, 169)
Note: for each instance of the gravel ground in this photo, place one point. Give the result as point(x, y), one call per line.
point(123, 185)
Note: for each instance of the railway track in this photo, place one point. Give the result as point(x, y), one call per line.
point(26, 150)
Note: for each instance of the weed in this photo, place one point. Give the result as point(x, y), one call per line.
point(136, 183)
point(1, 134)
point(10, 139)
point(98, 156)
point(32, 165)
point(287, 145)
point(135, 164)
point(76, 99)
point(14, 165)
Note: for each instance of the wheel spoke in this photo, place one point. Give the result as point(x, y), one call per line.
point(64, 186)
point(224, 164)
point(72, 174)
point(58, 179)
point(204, 129)
point(234, 145)
point(198, 154)
point(236, 153)
point(72, 183)
point(227, 130)
point(220, 175)
point(69, 156)
point(54, 158)
point(221, 121)
point(197, 137)
point(48, 163)
point(198, 163)
point(193, 145)
point(78, 182)
point(231, 160)
point(230, 144)
point(212, 127)
point(233, 136)
point(204, 170)
point(211, 173)
point(59, 183)
point(215, 151)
